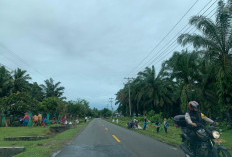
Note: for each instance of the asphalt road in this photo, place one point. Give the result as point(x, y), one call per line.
point(103, 139)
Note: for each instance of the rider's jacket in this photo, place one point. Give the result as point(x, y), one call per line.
point(196, 117)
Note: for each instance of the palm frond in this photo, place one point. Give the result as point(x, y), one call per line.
point(197, 41)
point(207, 27)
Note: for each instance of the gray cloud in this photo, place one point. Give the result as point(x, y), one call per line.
point(90, 46)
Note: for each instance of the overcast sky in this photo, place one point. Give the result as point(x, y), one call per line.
point(89, 45)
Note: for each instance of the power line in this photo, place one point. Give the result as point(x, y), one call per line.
point(159, 52)
point(10, 51)
point(201, 15)
point(6, 67)
point(20, 59)
point(193, 32)
point(178, 32)
point(11, 60)
point(162, 54)
point(179, 45)
point(166, 34)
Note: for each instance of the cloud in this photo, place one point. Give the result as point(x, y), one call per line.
point(90, 46)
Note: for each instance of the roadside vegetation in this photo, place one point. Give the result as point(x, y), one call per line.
point(19, 94)
point(202, 73)
point(40, 148)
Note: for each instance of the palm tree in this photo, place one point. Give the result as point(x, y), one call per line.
point(216, 37)
point(52, 89)
point(122, 100)
point(137, 95)
point(21, 79)
point(148, 92)
point(182, 68)
point(149, 82)
point(5, 82)
point(36, 91)
point(207, 89)
point(216, 42)
point(155, 93)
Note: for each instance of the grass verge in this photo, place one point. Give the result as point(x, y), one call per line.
point(173, 135)
point(40, 148)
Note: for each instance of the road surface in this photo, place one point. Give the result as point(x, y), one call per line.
point(103, 139)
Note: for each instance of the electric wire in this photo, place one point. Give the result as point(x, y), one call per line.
point(150, 52)
point(162, 54)
point(171, 44)
point(20, 59)
point(6, 67)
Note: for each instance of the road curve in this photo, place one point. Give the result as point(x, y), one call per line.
point(103, 139)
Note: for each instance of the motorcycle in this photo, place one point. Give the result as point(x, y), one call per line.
point(206, 140)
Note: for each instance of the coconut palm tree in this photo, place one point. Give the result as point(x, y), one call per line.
point(36, 91)
point(52, 89)
point(21, 79)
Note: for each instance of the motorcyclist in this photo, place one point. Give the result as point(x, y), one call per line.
point(193, 117)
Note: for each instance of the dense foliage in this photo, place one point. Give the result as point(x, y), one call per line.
point(203, 74)
point(18, 95)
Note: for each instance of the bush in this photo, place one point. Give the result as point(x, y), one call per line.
point(151, 113)
point(52, 105)
point(170, 121)
point(225, 126)
point(140, 119)
point(156, 117)
point(18, 103)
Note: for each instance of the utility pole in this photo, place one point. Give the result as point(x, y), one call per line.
point(129, 81)
point(111, 101)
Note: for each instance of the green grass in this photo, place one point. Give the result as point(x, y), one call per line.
point(41, 148)
point(173, 135)
point(23, 131)
point(227, 137)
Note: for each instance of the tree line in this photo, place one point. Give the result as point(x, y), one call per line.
point(18, 95)
point(203, 73)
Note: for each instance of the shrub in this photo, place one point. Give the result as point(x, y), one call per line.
point(151, 113)
point(156, 117)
